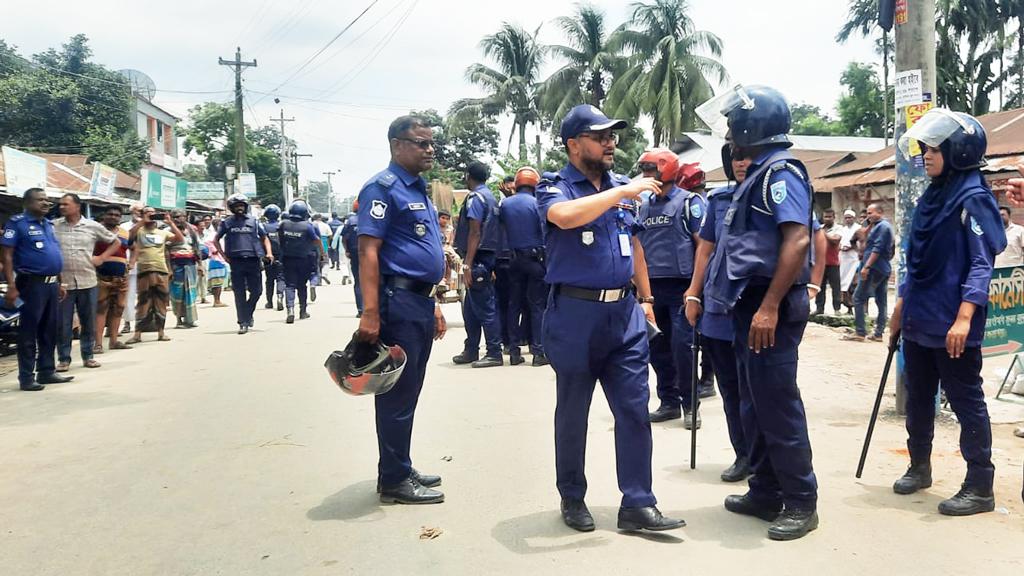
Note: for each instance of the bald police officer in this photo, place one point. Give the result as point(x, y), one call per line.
point(594, 328)
point(401, 261)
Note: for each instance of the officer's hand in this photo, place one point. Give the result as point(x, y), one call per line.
point(467, 276)
point(639, 186)
point(762, 329)
point(11, 296)
point(896, 324)
point(270, 259)
point(62, 292)
point(369, 327)
point(1015, 188)
point(812, 293)
point(693, 311)
point(956, 338)
point(648, 309)
point(440, 325)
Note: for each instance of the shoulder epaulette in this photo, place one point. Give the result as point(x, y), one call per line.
point(386, 178)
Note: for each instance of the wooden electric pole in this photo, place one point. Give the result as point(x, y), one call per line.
point(238, 64)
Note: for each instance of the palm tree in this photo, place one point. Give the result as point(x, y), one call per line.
point(512, 85)
point(862, 18)
point(590, 62)
point(671, 67)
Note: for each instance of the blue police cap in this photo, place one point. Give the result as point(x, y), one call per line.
point(587, 118)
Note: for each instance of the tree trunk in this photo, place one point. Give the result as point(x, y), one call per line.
point(596, 89)
point(522, 142)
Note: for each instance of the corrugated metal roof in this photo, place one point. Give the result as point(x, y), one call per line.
point(817, 162)
point(61, 178)
point(706, 148)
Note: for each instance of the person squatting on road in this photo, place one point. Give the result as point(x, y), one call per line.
point(943, 303)
point(301, 251)
point(670, 220)
point(594, 328)
point(245, 245)
point(401, 262)
point(760, 272)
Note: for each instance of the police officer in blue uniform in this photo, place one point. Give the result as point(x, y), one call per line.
point(477, 242)
point(30, 249)
point(594, 329)
point(350, 243)
point(275, 271)
point(401, 263)
point(943, 303)
point(301, 250)
point(714, 321)
point(670, 220)
point(759, 273)
point(503, 277)
point(524, 230)
point(246, 244)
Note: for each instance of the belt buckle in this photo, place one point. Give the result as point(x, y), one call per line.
point(610, 295)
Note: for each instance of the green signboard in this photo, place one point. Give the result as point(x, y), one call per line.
point(165, 192)
point(1004, 330)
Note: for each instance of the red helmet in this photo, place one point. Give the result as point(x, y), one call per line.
point(664, 161)
point(527, 176)
point(690, 176)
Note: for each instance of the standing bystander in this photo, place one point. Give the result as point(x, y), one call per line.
point(112, 282)
point(834, 235)
point(1014, 253)
point(874, 275)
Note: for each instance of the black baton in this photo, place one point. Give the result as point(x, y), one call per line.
point(693, 401)
point(878, 404)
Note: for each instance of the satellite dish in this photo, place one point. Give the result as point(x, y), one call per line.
point(142, 85)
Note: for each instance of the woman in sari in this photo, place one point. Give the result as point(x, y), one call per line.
point(184, 257)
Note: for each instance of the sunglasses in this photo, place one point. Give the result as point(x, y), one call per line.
point(420, 143)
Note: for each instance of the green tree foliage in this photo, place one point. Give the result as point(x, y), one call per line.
point(458, 140)
point(59, 101)
point(811, 121)
point(862, 107)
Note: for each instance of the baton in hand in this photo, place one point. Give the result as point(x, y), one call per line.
point(878, 404)
point(693, 401)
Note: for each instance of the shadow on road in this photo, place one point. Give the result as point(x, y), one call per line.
point(355, 503)
point(544, 532)
point(716, 524)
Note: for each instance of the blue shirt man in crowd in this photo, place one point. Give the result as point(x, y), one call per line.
point(401, 262)
point(30, 249)
point(594, 328)
point(874, 275)
point(477, 240)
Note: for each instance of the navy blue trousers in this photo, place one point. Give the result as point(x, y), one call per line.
point(480, 313)
point(723, 358)
point(502, 297)
point(406, 319)
point(773, 412)
point(528, 296)
point(84, 302)
point(297, 272)
point(961, 379)
point(275, 280)
point(37, 329)
point(247, 285)
point(591, 341)
point(671, 353)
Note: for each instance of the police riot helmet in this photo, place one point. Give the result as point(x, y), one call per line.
point(960, 136)
point(753, 115)
point(662, 161)
point(236, 199)
point(690, 176)
point(299, 210)
point(526, 176)
point(272, 212)
point(363, 368)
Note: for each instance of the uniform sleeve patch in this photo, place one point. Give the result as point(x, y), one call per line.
point(695, 210)
point(975, 227)
point(779, 192)
point(378, 209)
point(9, 233)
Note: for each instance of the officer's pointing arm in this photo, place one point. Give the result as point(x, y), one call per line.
point(582, 211)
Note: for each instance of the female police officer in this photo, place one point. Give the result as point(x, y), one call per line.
point(954, 238)
point(593, 328)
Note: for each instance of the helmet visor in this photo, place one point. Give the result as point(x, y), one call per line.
point(932, 129)
point(715, 112)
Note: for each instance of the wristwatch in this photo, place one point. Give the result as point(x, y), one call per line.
point(645, 299)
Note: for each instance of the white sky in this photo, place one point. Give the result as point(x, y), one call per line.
point(369, 79)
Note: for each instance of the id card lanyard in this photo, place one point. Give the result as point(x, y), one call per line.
point(625, 245)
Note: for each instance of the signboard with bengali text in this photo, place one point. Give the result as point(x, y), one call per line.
point(1004, 329)
point(165, 192)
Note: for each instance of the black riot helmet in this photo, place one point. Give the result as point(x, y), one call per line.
point(363, 368)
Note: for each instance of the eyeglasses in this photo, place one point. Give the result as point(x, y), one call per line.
point(422, 144)
point(602, 138)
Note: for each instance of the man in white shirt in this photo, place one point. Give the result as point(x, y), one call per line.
point(1014, 253)
point(848, 256)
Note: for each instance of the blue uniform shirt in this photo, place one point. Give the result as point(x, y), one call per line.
point(589, 256)
point(243, 236)
point(880, 241)
point(716, 322)
point(521, 220)
point(34, 244)
point(394, 207)
point(350, 235)
point(670, 223)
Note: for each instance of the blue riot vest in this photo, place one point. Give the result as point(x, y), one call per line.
point(296, 241)
point(744, 254)
point(275, 240)
point(242, 239)
point(490, 227)
point(666, 235)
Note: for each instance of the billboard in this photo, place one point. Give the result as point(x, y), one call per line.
point(161, 191)
point(23, 171)
point(1004, 329)
point(103, 179)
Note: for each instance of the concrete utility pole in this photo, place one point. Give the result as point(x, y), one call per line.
point(330, 192)
point(238, 64)
point(915, 62)
point(285, 191)
point(295, 166)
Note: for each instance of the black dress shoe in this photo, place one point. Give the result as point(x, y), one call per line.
point(706, 391)
point(969, 500)
point(33, 387)
point(665, 413)
point(428, 480)
point(290, 319)
point(465, 358)
point(576, 515)
point(516, 359)
point(243, 328)
point(303, 315)
point(53, 379)
point(409, 491)
point(749, 507)
point(739, 471)
point(269, 305)
point(917, 477)
point(540, 360)
point(793, 524)
point(488, 362)
point(647, 518)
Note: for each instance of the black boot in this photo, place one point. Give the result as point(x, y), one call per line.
point(576, 515)
point(280, 303)
point(688, 420)
point(303, 314)
point(516, 359)
point(739, 471)
point(291, 316)
point(648, 518)
point(540, 360)
point(793, 524)
point(917, 477)
point(270, 304)
point(969, 500)
point(664, 413)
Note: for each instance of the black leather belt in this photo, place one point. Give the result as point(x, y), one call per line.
point(39, 278)
point(425, 289)
point(537, 252)
point(610, 295)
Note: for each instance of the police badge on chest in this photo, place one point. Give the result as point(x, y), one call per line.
point(587, 237)
point(420, 229)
